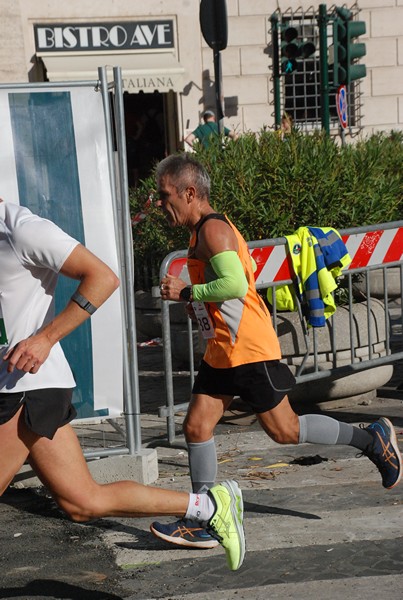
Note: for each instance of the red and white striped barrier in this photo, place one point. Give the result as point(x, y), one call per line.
point(366, 249)
point(374, 247)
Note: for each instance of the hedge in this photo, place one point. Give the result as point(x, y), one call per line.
point(271, 186)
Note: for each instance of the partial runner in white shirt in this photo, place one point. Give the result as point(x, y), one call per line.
point(32, 252)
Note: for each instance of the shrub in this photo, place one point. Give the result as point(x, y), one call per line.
point(269, 187)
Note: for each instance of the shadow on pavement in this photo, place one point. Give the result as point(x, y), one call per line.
point(50, 588)
point(252, 507)
point(33, 500)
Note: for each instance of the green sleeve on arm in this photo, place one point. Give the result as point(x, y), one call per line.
point(231, 281)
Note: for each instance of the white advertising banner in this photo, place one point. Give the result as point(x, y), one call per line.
point(53, 160)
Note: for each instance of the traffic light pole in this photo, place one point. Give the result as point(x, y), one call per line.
point(218, 91)
point(324, 69)
point(276, 70)
point(214, 26)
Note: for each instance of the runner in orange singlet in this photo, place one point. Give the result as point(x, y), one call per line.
point(242, 356)
point(243, 331)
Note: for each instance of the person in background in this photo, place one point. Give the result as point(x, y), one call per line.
point(36, 385)
point(286, 124)
point(242, 356)
point(207, 130)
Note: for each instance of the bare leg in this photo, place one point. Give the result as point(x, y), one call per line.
point(202, 416)
point(15, 442)
point(61, 466)
point(281, 423)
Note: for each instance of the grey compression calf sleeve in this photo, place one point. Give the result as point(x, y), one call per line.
point(202, 464)
point(319, 429)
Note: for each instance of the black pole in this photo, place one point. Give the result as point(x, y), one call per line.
point(324, 69)
point(276, 70)
point(217, 84)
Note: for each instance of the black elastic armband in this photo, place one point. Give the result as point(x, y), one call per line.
point(186, 294)
point(83, 303)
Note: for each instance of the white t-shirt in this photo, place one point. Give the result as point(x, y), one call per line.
point(32, 252)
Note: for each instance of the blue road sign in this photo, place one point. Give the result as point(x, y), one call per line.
point(341, 105)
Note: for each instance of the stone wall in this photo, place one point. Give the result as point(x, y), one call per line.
point(247, 84)
point(12, 55)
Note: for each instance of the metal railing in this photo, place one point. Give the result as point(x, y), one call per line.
point(377, 248)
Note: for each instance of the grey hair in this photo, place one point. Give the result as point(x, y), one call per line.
point(184, 171)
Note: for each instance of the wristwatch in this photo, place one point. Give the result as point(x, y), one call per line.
point(186, 294)
point(83, 303)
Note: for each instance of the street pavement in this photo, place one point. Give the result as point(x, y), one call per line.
point(318, 523)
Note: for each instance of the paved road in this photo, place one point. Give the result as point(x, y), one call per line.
point(319, 525)
point(325, 530)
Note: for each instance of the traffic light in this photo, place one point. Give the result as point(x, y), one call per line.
point(293, 47)
point(346, 50)
point(214, 23)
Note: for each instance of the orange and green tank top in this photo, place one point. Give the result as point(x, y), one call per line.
point(243, 328)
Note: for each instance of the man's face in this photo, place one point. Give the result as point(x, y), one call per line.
point(174, 205)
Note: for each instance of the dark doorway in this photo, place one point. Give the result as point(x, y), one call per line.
point(146, 139)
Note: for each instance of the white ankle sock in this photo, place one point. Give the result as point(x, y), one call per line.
point(200, 507)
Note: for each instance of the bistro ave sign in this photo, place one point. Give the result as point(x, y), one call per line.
point(90, 37)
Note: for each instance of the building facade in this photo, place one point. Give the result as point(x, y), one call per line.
point(168, 69)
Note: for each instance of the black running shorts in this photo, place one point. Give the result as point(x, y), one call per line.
point(44, 410)
point(262, 385)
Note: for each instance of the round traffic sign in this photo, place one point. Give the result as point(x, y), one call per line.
point(341, 105)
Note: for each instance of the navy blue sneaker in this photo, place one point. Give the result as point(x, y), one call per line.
point(184, 533)
point(384, 452)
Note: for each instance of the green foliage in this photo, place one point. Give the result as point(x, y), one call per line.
point(270, 186)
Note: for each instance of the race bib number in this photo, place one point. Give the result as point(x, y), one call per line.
point(203, 320)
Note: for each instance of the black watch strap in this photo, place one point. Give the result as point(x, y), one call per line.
point(186, 293)
point(83, 303)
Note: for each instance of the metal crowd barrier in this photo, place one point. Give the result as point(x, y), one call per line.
point(373, 248)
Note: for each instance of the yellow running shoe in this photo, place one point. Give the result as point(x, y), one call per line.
point(226, 524)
